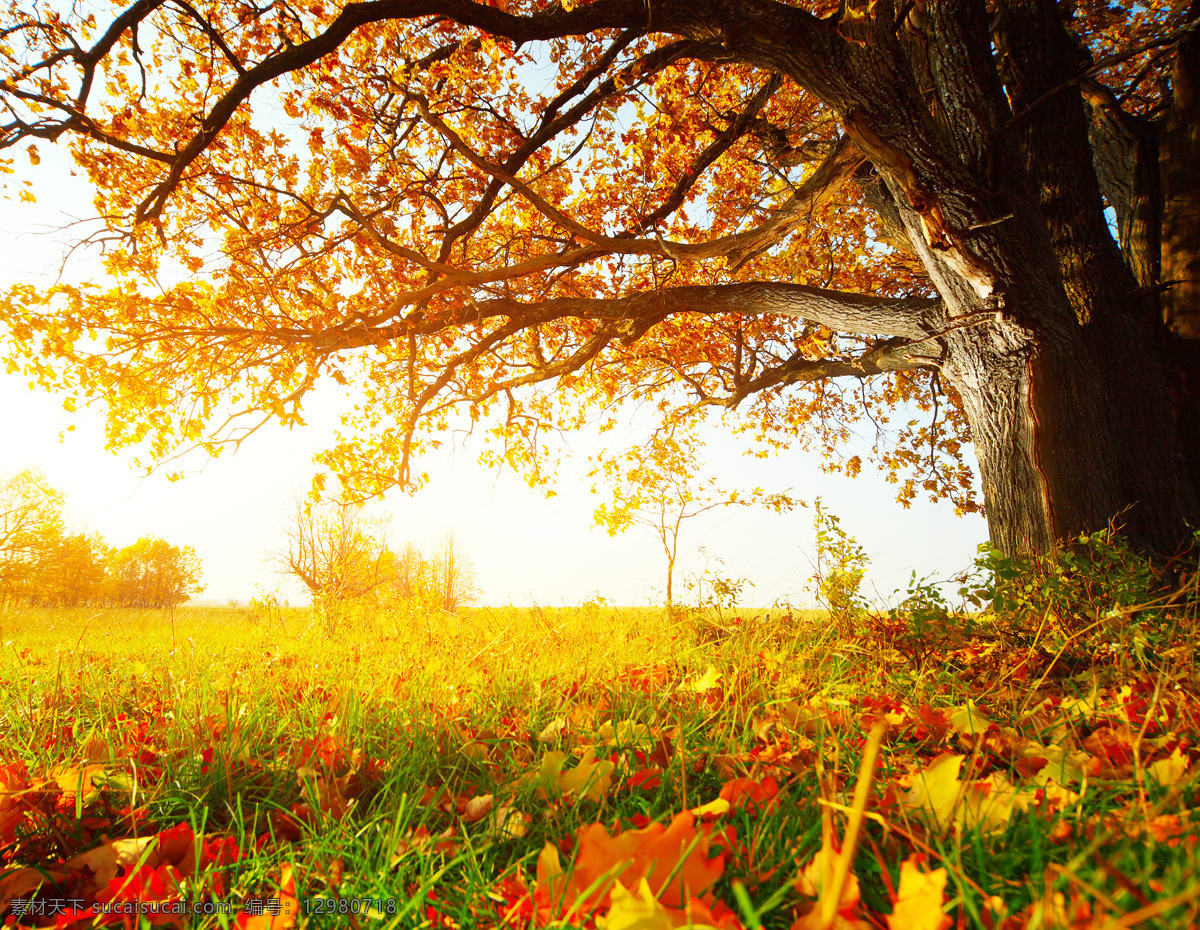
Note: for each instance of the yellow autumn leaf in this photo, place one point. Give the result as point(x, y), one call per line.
point(24, 883)
point(551, 766)
point(625, 733)
point(640, 910)
point(636, 910)
point(988, 804)
point(478, 807)
point(590, 779)
point(551, 731)
point(819, 869)
point(944, 801)
point(919, 899)
point(712, 808)
point(812, 882)
point(84, 779)
point(937, 790)
point(1066, 767)
point(968, 721)
point(510, 824)
point(706, 682)
point(1168, 771)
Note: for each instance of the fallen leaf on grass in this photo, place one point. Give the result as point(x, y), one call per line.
point(85, 780)
point(22, 883)
point(937, 790)
point(706, 682)
point(477, 808)
point(968, 721)
point(14, 790)
point(147, 868)
point(812, 881)
point(421, 840)
point(275, 911)
point(112, 856)
point(635, 910)
point(552, 730)
point(920, 898)
point(590, 779)
point(640, 910)
point(755, 796)
point(647, 779)
point(329, 793)
point(673, 860)
point(148, 887)
point(712, 809)
point(1112, 747)
point(470, 745)
point(626, 734)
point(1169, 771)
point(813, 715)
point(938, 797)
point(508, 824)
point(1067, 767)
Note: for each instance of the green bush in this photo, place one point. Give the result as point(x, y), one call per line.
point(841, 566)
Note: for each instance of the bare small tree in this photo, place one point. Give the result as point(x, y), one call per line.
point(446, 580)
point(454, 575)
point(658, 490)
point(338, 552)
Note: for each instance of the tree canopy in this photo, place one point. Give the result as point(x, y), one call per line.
point(806, 215)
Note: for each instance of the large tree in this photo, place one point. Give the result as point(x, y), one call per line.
point(803, 212)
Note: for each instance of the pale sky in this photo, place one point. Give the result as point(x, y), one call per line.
point(526, 548)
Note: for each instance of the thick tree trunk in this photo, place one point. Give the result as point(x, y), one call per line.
point(1071, 420)
point(1150, 175)
point(1072, 427)
point(1179, 167)
point(1084, 434)
point(1071, 431)
point(1179, 148)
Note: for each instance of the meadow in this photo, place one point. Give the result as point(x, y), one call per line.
point(1029, 763)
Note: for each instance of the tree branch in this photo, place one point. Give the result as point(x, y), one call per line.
point(916, 318)
point(554, 23)
point(882, 358)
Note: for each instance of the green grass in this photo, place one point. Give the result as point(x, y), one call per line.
point(363, 763)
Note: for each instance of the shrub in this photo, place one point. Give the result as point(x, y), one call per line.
point(841, 566)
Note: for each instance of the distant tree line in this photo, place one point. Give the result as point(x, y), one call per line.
point(42, 564)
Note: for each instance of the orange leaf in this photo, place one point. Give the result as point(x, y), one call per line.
point(753, 795)
point(812, 882)
point(477, 808)
point(272, 912)
point(673, 860)
point(14, 784)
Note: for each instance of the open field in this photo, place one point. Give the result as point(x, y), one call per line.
point(598, 767)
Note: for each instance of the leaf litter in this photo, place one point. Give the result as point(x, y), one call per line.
point(739, 785)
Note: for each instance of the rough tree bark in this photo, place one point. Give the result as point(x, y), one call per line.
point(1065, 389)
point(1149, 173)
